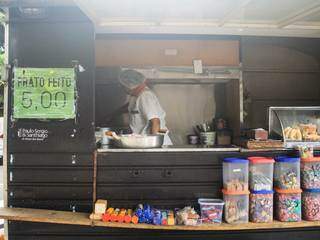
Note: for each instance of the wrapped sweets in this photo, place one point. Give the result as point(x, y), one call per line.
point(187, 216)
point(260, 173)
point(106, 217)
point(261, 206)
point(310, 173)
point(288, 205)
point(211, 210)
point(235, 174)
point(311, 204)
point(287, 172)
point(236, 208)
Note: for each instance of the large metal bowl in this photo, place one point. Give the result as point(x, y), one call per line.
point(140, 141)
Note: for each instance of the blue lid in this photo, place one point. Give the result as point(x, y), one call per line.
point(263, 192)
point(287, 159)
point(315, 190)
point(235, 160)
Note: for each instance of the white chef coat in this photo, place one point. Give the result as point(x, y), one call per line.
point(142, 109)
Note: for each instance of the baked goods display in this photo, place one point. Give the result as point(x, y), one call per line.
point(302, 132)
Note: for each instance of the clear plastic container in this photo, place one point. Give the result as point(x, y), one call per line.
point(235, 174)
point(236, 206)
point(287, 173)
point(310, 173)
point(260, 173)
point(311, 204)
point(288, 205)
point(261, 206)
point(211, 210)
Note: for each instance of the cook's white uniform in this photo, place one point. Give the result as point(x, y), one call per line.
point(144, 108)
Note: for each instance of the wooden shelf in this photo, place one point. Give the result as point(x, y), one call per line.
point(71, 218)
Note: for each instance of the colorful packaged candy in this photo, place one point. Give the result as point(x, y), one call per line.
point(211, 210)
point(260, 173)
point(236, 208)
point(288, 205)
point(261, 206)
point(311, 204)
point(310, 173)
point(235, 174)
point(287, 172)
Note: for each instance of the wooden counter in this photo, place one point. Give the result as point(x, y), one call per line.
point(75, 218)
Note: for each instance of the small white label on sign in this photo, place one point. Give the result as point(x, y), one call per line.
point(197, 66)
point(237, 170)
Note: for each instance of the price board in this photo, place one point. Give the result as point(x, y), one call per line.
point(44, 93)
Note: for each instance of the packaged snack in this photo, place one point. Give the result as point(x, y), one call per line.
point(288, 205)
point(260, 173)
point(261, 206)
point(211, 210)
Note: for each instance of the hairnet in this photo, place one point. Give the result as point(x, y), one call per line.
point(131, 78)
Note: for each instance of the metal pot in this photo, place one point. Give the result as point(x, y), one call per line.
point(139, 141)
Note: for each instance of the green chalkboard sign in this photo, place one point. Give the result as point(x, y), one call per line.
point(44, 93)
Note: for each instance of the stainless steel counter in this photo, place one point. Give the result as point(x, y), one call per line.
point(185, 148)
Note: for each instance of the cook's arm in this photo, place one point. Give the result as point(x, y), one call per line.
point(154, 125)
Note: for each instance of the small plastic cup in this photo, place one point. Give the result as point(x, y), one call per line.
point(311, 204)
point(235, 174)
point(211, 210)
point(261, 206)
point(288, 205)
point(236, 208)
point(260, 173)
point(287, 173)
point(310, 173)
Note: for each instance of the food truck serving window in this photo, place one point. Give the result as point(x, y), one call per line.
point(44, 93)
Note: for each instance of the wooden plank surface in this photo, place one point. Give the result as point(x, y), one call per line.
point(61, 217)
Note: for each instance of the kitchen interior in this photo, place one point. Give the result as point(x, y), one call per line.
point(239, 79)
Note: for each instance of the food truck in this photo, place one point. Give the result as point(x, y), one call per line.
point(226, 73)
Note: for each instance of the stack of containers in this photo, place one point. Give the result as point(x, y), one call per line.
point(310, 181)
point(287, 186)
point(235, 190)
point(261, 188)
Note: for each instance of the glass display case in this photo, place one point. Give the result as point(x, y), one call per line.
point(296, 126)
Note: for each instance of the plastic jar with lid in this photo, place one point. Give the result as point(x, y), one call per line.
point(260, 173)
point(261, 206)
point(211, 210)
point(310, 173)
point(236, 206)
point(235, 174)
point(311, 204)
point(288, 205)
point(287, 172)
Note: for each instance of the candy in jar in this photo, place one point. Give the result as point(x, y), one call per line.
point(211, 210)
point(235, 174)
point(287, 172)
point(311, 204)
point(261, 206)
point(310, 173)
point(288, 205)
point(236, 208)
point(305, 152)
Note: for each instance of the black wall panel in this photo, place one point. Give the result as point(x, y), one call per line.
point(64, 35)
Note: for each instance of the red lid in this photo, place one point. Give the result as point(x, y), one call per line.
point(311, 159)
point(227, 192)
point(278, 190)
point(257, 160)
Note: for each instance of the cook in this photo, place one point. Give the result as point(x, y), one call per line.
point(145, 112)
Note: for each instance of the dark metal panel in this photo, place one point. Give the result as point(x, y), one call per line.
point(55, 42)
point(50, 160)
point(18, 230)
point(158, 191)
point(52, 175)
point(61, 205)
point(51, 192)
point(165, 174)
